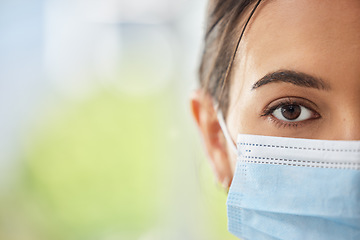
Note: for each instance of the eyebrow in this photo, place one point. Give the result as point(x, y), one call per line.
point(297, 78)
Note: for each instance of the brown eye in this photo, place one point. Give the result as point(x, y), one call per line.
point(291, 112)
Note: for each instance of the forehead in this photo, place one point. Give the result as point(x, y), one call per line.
point(317, 37)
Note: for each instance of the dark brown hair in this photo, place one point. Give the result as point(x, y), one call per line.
point(221, 42)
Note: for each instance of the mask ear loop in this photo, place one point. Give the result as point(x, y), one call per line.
point(220, 116)
point(225, 130)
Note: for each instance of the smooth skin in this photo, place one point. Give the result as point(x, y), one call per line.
point(316, 39)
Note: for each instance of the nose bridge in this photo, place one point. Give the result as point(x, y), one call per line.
point(349, 127)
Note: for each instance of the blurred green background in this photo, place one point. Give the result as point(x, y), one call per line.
point(96, 137)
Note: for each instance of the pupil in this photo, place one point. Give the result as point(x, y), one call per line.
point(291, 112)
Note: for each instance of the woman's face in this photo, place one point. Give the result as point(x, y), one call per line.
point(297, 72)
point(313, 50)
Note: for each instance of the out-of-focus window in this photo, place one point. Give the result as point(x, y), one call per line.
point(96, 140)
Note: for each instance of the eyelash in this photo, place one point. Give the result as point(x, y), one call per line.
point(269, 110)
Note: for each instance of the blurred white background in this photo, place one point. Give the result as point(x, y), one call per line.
point(96, 140)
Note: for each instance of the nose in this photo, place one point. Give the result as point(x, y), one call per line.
point(352, 131)
point(348, 127)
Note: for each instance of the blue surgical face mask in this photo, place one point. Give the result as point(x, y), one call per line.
point(295, 189)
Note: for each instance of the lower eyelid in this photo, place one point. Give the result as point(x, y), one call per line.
point(279, 123)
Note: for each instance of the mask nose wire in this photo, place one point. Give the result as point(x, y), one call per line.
point(225, 130)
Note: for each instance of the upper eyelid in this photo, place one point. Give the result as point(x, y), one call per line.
point(296, 100)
